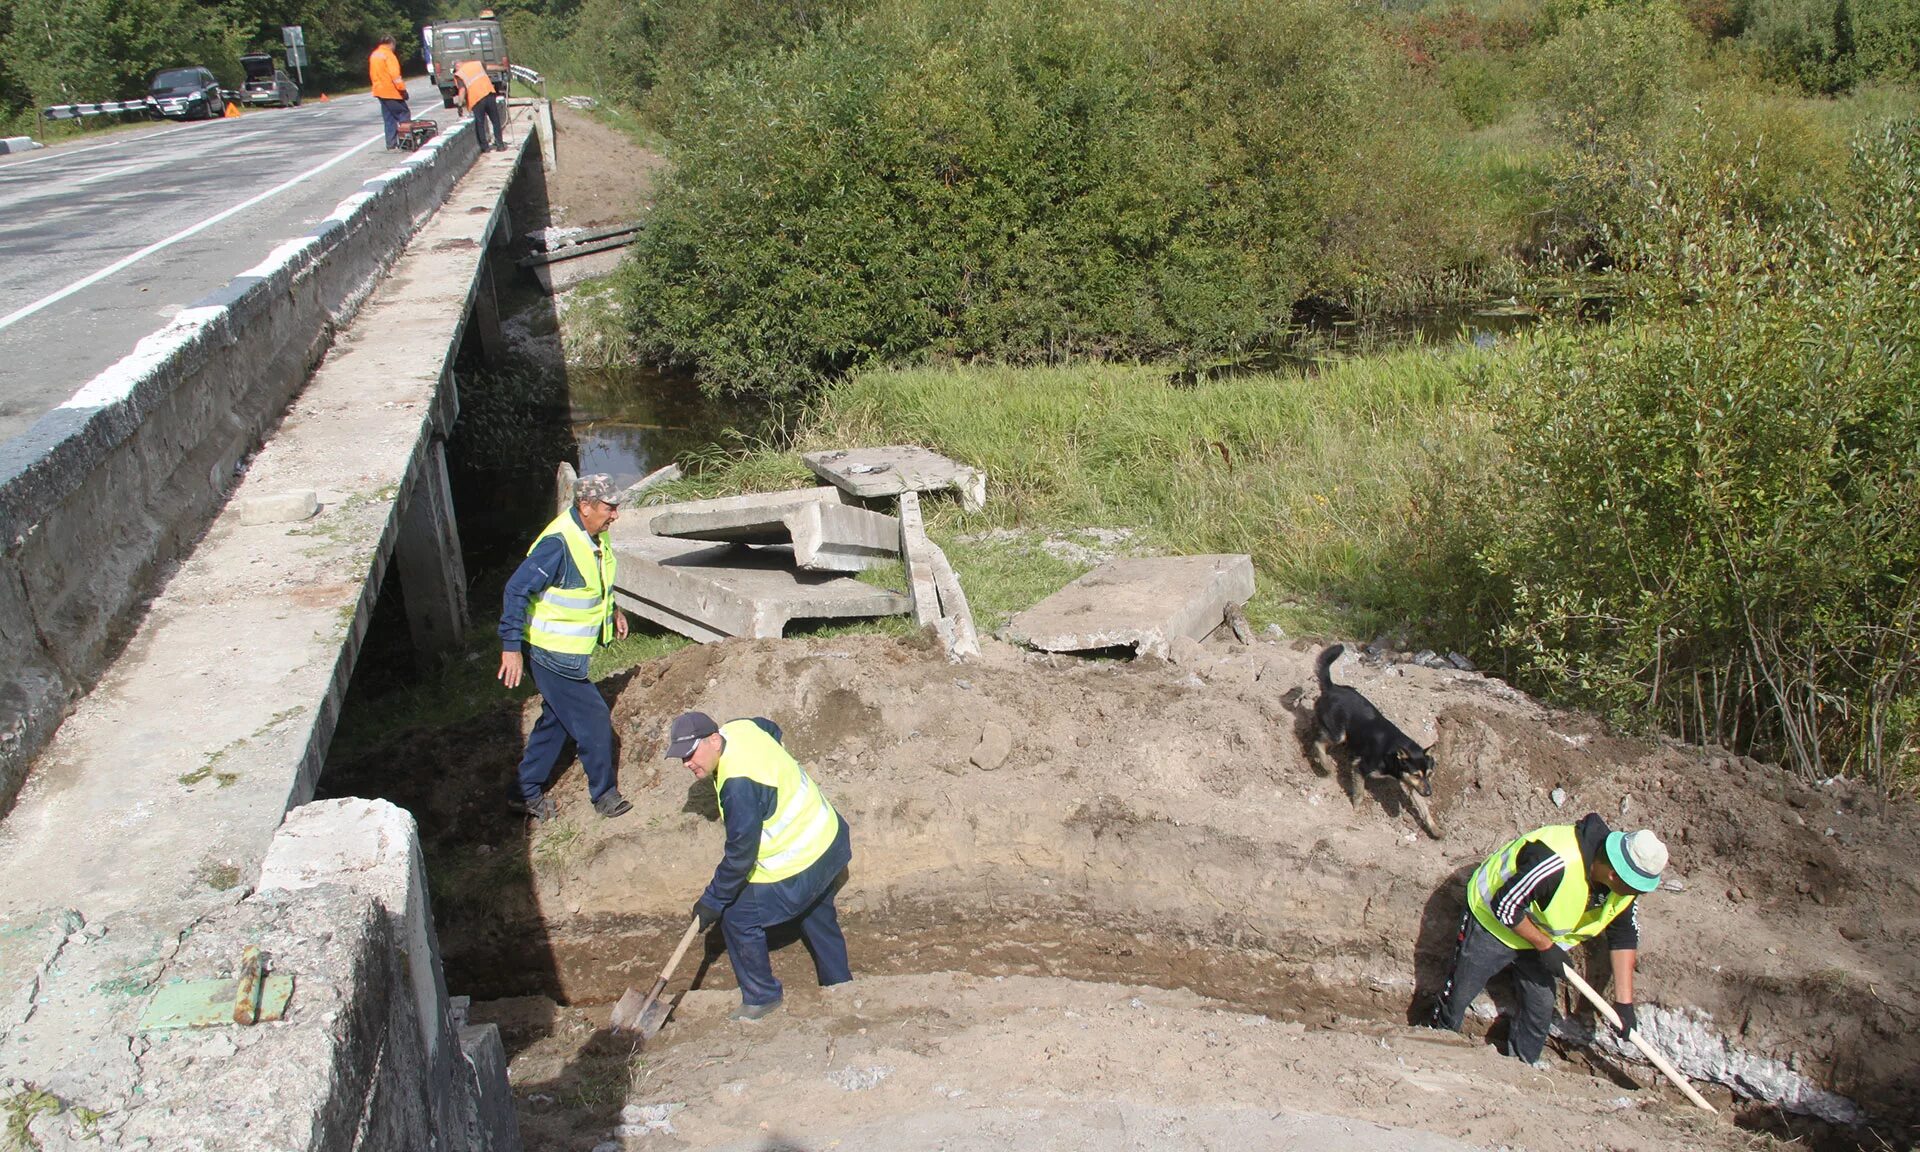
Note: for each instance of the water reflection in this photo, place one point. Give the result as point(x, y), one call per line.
point(628, 422)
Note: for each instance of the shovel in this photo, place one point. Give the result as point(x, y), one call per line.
point(1649, 1051)
point(645, 1014)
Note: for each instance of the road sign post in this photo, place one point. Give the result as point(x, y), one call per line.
point(296, 41)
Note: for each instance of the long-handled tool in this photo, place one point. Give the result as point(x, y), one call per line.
point(645, 1015)
point(1659, 1061)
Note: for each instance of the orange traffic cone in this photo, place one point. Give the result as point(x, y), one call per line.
point(323, 97)
point(232, 112)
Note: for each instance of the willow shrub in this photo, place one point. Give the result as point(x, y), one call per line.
point(988, 178)
point(1709, 515)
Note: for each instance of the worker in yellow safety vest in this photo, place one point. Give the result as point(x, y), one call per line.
point(383, 69)
point(1538, 896)
point(558, 607)
point(478, 96)
point(786, 855)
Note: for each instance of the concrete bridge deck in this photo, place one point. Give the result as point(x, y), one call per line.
point(156, 800)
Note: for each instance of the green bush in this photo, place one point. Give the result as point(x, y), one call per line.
point(980, 179)
point(1710, 516)
point(1829, 46)
point(1609, 71)
point(631, 48)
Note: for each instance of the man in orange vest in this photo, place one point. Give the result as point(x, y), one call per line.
point(480, 98)
point(383, 68)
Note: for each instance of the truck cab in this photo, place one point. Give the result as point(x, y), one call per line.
point(452, 42)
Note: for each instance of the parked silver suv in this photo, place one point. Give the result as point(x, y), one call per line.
point(267, 83)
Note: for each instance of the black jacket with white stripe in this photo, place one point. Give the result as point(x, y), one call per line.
point(1536, 879)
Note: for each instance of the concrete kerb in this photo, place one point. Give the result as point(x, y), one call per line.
point(101, 493)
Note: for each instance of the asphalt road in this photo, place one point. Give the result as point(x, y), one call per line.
point(102, 242)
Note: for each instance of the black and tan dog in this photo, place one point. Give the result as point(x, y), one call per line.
point(1345, 717)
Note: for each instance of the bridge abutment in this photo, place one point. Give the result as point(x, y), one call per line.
point(433, 577)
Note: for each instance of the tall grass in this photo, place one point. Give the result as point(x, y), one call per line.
point(1319, 477)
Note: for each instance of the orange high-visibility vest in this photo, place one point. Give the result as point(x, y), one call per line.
point(383, 68)
point(479, 84)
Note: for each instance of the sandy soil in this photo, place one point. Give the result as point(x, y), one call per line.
point(1159, 920)
point(604, 175)
point(1163, 825)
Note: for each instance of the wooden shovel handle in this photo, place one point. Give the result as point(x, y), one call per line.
point(686, 941)
point(1652, 1054)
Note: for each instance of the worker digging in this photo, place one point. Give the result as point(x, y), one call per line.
point(557, 608)
point(1539, 895)
point(786, 854)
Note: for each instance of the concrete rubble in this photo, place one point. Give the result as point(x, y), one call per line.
point(747, 565)
point(871, 473)
point(825, 536)
point(708, 591)
point(1144, 604)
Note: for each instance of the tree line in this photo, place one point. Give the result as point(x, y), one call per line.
point(65, 51)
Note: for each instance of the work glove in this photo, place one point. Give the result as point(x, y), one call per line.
point(1626, 1018)
point(1554, 960)
point(706, 913)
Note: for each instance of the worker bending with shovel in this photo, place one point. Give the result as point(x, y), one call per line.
point(478, 96)
point(786, 852)
point(1536, 897)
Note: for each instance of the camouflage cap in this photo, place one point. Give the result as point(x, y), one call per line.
point(598, 486)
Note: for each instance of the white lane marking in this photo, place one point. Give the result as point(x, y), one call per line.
point(314, 111)
point(110, 173)
point(18, 315)
point(56, 154)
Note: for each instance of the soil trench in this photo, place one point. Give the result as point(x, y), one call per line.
point(1167, 825)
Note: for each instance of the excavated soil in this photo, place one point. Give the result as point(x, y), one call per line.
point(1159, 920)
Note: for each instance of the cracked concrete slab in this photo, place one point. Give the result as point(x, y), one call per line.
point(874, 472)
point(708, 591)
point(825, 535)
point(1143, 603)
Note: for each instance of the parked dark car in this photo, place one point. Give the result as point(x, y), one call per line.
point(267, 83)
point(186, 94)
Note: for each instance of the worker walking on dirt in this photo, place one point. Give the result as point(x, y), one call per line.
point(567, 578)
point(786, 855)
point(1536, 897)
point(383, 68)
point(480, 98)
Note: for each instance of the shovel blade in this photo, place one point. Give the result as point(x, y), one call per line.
point(653, 1017)
point(627, 1013)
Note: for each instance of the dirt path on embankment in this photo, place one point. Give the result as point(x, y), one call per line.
point(1162, 825)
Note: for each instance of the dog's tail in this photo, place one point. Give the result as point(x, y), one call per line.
point(1324, 665)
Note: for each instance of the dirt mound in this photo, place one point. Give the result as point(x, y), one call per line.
point(1165, 824)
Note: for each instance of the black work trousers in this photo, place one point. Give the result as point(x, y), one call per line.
point(1479, 957)
point(487, 111)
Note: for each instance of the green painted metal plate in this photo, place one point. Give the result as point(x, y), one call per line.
point(209, 1003)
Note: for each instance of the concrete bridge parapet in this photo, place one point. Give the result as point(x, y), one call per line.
point(102, 494)
point(157, 803)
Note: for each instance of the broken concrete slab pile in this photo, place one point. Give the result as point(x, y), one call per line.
point(748, 565)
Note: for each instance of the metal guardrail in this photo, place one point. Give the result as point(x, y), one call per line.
point(75, 111)
point(145, 104)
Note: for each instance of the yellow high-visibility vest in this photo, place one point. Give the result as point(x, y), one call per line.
point(803, 823)
point(1566, 918)
point(573, 620)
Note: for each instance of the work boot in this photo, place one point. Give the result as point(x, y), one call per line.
point(753, 1011)
point(611, 804)
point(541, 809)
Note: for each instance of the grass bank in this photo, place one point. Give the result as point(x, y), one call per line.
point(1321, 477)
